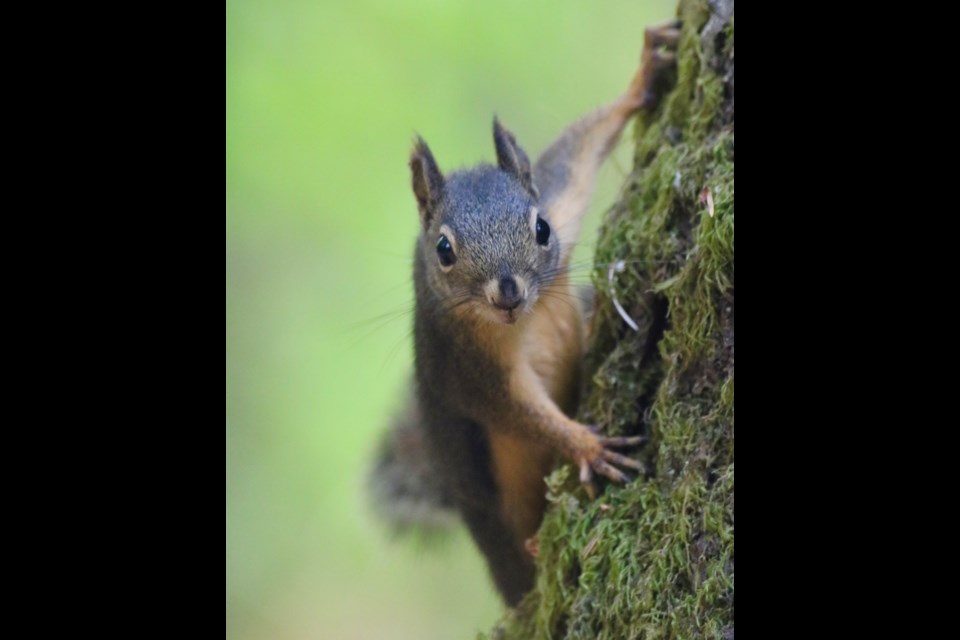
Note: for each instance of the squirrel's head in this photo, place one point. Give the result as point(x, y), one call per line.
point(486, 245)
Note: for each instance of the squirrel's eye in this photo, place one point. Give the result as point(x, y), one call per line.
point(445, 252)
point(543, 231)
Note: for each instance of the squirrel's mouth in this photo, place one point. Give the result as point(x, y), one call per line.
point(498, 315)
point(508, 316)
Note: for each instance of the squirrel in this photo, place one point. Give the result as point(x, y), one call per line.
point(499, 335)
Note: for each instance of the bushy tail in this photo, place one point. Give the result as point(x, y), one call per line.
point(405, 489)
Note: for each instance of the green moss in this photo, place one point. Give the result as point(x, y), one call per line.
point(655, 559)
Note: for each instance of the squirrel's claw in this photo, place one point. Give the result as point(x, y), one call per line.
point(622, 441)
point(532, 545)
point(623, 461)
point(610, 471)
point(586, 479)
point(664, 59)
point(602, 461)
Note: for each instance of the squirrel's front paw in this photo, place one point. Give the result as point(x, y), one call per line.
point(659, 56)
point(663, 35)
point(597, 457)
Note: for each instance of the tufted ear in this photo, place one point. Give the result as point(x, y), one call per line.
point(512, 158)
point(427, 181)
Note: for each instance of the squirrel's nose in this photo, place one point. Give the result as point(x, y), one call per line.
point(509, 294)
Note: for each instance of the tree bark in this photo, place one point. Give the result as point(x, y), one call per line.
point(655, 559)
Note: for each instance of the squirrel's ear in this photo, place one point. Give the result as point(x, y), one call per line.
point(512, 158)
point(427, 181)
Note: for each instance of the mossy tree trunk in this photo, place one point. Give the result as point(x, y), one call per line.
point(655, 559)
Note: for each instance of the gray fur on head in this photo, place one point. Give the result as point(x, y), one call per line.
point(490, 217)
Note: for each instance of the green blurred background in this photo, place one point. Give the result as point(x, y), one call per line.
point(323, 100)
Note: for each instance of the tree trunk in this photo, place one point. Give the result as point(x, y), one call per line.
point(654, 559)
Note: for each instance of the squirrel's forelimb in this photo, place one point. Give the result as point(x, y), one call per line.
point(566, 172)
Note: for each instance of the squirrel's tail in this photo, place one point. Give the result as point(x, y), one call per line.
point(405, 489)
